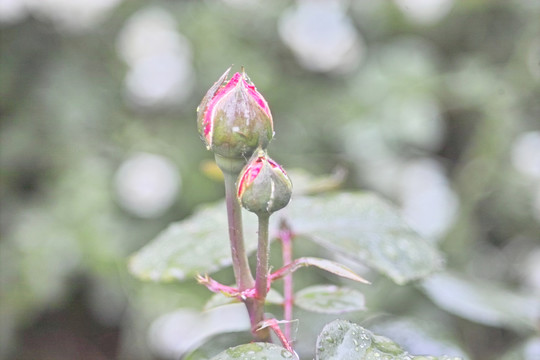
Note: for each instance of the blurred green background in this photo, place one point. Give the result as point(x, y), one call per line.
point(434, 104)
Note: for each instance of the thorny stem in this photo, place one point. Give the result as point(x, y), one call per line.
point(244, 279)
point(285, 235)
point(261, 280)
point(261, 277)
point(242, 272)
point(274, 325)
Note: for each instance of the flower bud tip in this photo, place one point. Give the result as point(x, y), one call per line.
point(233, 118)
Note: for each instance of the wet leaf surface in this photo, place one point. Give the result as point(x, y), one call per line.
point(361, 226)
point(483, 302)
point(343, 340)
point(255, 351)
point(330, 299)
point(196, 245)
point(367, 229)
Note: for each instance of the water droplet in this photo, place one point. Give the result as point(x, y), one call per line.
point(357, 349)
point(285, 354)
point(321, 349)
point(355, 342)
point(329, 339)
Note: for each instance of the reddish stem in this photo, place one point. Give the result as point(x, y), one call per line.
point(242, 272)
point(274, 325)
point(244, 279)
point(229, 291)
point(285, 235)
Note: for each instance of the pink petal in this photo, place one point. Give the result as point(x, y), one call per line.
point(249, 175)
point(252, 91)
point(208, 125)
point(275, 165)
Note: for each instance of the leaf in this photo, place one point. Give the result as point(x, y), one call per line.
point(418, 336)
point(273, 297)
point(255, 351)
point(328, 265)
point(329, 299)
point(482, 302)
point(360, 225)
point(340, 340)
point(191, 328)
point(198, 244)
point(306, 183)
point(215, 345)
point(365, 228)
point(529, 350)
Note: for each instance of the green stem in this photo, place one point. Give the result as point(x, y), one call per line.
point(263, 250)
point(242, 272)
point(244, 279)
point(261, 277)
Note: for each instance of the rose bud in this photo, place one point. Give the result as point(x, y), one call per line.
point(263, 186)
point(233, 118)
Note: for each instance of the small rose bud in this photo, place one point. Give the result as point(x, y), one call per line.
point(263, 185)
point(233, 118)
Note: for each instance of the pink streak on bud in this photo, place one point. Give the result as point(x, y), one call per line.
point(258, 98)
point(208, 124)
point(275, 165)
point(249, 175)
point(221, 93)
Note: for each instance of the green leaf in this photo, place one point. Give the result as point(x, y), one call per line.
point(192, 327)
point(215, 345)
point(529, 350)
point(274, 297)
point(328, 265)
point(365, 228)
point(306, 183)
point(362, 226)
point(196, 245)
point(340, 340)
point(418, 336)
point(255, 351)
point(329, 299)
point(483, 302)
